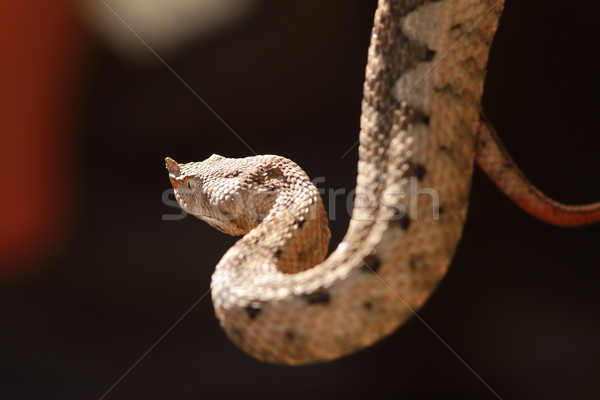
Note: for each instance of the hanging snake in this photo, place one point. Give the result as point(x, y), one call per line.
point(275, 294)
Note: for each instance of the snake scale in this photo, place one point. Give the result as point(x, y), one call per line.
point(275, 294)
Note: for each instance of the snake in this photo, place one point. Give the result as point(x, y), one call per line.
point(276, 293)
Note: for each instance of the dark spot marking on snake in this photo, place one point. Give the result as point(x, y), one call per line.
point(278, 253)
point(421, 118)
point(367, 305)
point(404, 222)
point(440, 210)
point(318, 297)
point(391, 40)
point(429, 54)
point(507, 165)
point(289, 335)
point(402, 9)
point(253, 311)
point(237, 332)
point(413, 263)
point(370, 263)
point(417, 170)
point(449, 90)
point(302, 256)
point(400, 220)
point(402, 37)
point(300, 222)
point(456, 26)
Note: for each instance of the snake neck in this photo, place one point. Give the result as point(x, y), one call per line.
point(294, 234)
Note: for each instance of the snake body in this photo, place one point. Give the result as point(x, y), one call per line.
point(273, 293)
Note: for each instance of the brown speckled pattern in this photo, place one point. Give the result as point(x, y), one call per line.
point(424, 80)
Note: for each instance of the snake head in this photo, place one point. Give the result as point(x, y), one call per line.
point(187, 185)
point(232, 195)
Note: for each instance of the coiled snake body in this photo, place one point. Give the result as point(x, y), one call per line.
point(273, 293)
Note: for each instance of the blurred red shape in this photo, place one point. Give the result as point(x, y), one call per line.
point(39, 43)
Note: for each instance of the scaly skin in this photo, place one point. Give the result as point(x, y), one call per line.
point(495, 161)
point(424, 81)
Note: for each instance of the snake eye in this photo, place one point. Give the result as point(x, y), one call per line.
point(189, 184)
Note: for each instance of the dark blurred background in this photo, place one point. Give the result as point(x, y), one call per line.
point(92, 276)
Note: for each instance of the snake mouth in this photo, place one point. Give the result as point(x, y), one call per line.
point(210, 220)
point(222, 225)
point(206, 218)
point(183, 204)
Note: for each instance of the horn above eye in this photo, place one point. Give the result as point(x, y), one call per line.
point(172, 166)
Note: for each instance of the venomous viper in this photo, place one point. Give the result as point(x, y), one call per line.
point(275, 295)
